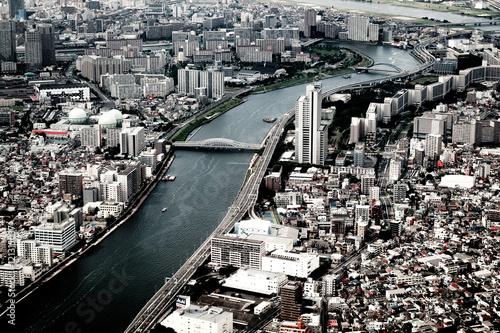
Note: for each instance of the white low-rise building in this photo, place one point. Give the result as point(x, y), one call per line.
point(293, 264)
point(200, 319)
point(256, 281)
point(11, 275)
point(110, 208)
point(274, 242)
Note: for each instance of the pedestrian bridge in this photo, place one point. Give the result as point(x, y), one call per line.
point(217, 143)
point(382, 67)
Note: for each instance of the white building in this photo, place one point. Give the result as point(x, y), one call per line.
point(256, 281)
point(39, 254)
point(76, 92)
point(362, 212)
point(197, 319)
point(433, 145)
point(191, 79)
point(132, 141)
point(106, 209)
point(11, 275)
point(395, 169)
point(360, 29)
point(293, 264)
point(91, 136)
point(61, 236)
point(311, 137)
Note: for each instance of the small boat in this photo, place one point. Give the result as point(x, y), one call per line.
point(346, 76)
point(164, 209)
point(169, 177)
point(270, 119)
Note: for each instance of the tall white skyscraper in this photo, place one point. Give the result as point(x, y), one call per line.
point(433, 143)
point(311, 137)
point(360, 28)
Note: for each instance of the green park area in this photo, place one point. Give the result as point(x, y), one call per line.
point(200, 120)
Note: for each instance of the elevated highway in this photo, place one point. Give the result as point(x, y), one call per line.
point(158, 306)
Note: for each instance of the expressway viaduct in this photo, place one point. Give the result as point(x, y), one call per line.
point(159, 306)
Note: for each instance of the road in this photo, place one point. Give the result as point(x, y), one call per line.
point(157, 307)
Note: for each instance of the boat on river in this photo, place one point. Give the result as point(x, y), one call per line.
point(270, 119)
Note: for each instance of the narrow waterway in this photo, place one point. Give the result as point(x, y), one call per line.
point(104, 290)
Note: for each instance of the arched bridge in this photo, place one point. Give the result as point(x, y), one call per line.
point(217, 143)
point(383, 67)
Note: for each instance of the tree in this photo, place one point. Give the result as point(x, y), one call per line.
point(110, 219)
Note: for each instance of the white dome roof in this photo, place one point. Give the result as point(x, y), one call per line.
point(107, 119)
point(77, 113)
point(117, 114)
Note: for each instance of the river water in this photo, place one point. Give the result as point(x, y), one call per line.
point(387, 8)
point(104, 290)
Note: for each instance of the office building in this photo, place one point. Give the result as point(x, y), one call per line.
point(70, 183)
point(246, 20)
point(238, 252)
point(11, 275)
point(196, 318)
point(395, 169)
point(357, 127)
point(311, 137)
point(360, 29)
point(132, 141)
point(256, 281)
point(367, 182)
point(7, 41)
point(212, 82)
point(374, 193)
point(38, 254)
point(433, 143)
point(294, 264)
point(399, 192)
point(93, 67)
point(362, 212)
point(91, 136)
point(60, 236)
point(291, 301)
point(33, 49)
point(309, 22)
point(130, 181)
point(359, 154)
point(484, 170)
point(47, 37)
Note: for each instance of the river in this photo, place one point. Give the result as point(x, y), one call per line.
point(387, 8)
point(124, 271)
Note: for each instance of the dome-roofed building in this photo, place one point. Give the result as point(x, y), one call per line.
point(118, 116)
point(107, 120)
point(78, 116)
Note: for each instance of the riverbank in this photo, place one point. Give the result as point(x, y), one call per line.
point(367, 61)
point(206, 117)
point(73, 257)
point(398, 17)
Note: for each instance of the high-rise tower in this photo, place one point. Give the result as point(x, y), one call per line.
point(7, 41)
point(48, 44)
point(311, 137)
point(33, 49)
